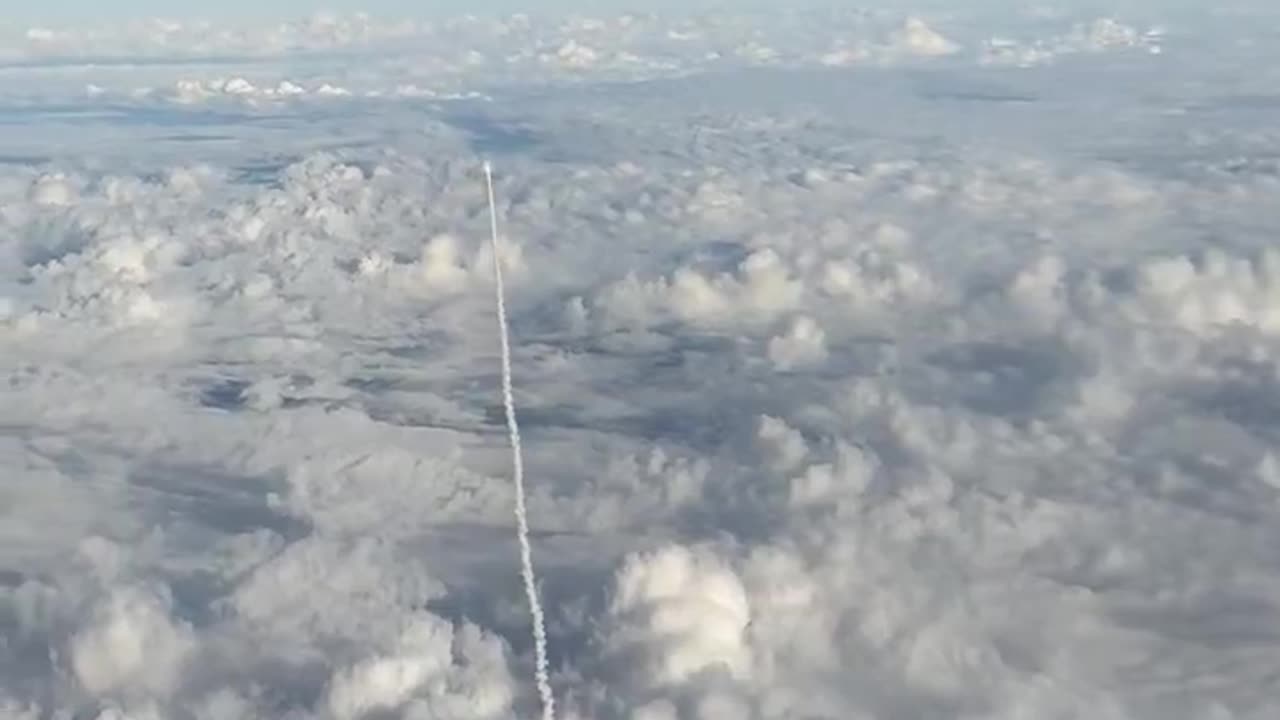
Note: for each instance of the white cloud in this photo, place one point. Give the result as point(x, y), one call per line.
point(131, 645)
point(760, 288)
point(783, 446)
point(1214, 294)
point(1103, 34)
point(434, 671)
point(917, 38)
point(673, 614)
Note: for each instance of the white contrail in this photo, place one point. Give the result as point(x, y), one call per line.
point(517, 459)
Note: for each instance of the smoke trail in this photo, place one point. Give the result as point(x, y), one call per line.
point(517, 458)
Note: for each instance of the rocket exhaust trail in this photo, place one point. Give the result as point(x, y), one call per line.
point(517, 459)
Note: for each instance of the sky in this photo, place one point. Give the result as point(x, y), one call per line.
point(72, 10)
point(915, 365)
point(69, 10)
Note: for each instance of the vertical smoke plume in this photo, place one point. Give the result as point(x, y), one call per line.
point(517, 458)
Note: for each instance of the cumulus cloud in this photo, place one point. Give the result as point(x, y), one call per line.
point(450, 58)
point(770, 283)
point(784, 446)
point(131, 644)
point(761, 287)
point(444, 266)
point(804, 342)
point(917, 38)
point(1101, 35)
point(53, 190)
point(1216, 292)
point(676, 620)
point(433, 671)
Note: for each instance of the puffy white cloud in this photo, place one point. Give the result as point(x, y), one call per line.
point(1213, 294)
point(673, 614)
point(433, 671)
point(783, 446)
point(131, 645)
point(803, 343)
point(761, 287)
point(917, 38)
point(1101, 35)
point(56, 190)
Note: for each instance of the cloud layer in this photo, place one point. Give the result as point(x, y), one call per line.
point(847, 392)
